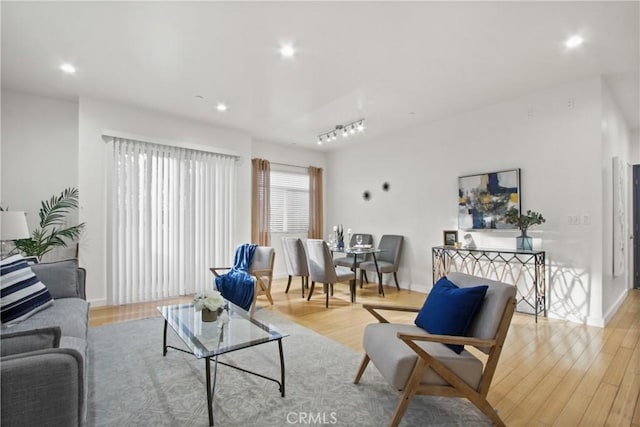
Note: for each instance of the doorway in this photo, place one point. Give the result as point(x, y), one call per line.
point(636, 227)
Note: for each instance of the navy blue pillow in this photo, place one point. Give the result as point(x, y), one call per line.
point(449, 310)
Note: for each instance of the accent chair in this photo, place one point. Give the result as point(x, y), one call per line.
point(416, 362)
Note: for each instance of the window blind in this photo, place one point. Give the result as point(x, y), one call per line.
point(289, 202)
point(172, 219)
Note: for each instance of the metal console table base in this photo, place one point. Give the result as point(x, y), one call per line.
point(524, 269)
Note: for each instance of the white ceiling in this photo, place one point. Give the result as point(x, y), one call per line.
point(395, 64)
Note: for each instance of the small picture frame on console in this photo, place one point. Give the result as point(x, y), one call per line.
point(450, 237)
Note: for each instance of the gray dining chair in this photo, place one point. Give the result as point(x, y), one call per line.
point(322, 270)
point(347, 261)
point(295, 258)
point(388, 260)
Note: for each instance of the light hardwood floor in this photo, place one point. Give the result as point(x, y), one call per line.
point(554, 373)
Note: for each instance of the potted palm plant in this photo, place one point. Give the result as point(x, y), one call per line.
point(52, 231)
point(523, 222)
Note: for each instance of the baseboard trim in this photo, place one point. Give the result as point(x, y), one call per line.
point(98, 302)
point(616, 307)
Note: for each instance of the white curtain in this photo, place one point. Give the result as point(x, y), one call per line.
point(172, 219)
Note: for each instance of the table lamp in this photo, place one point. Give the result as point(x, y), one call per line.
point(12, 227)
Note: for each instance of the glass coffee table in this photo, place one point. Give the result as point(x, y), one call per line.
point(207, 340)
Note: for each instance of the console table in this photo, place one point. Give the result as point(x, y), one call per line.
point(524, 269)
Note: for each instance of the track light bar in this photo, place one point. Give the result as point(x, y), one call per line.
point(346, 130)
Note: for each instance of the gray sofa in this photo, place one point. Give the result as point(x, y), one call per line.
point(44, 358)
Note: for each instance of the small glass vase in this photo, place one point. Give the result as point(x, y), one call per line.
point(340, 244)
point(524, 243)
point(209, 316)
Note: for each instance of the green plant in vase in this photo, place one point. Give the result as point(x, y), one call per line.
point(52, 232)
point(523, 222)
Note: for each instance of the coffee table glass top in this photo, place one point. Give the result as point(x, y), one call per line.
point(206, 339)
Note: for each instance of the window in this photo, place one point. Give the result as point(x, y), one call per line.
point(289, 201)
point(172, 218)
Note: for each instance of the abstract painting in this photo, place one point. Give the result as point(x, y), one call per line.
point(483, 199)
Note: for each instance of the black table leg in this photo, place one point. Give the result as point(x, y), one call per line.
point(209, 391)
point(281, 367)
point(352, 283)
point(380, 288)
point(164, 340)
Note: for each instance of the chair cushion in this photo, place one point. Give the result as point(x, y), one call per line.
point(347, 261)
point(395, 360)
point(449, 310)
point(70, 314)
point(22, 294)
point(383, 266)
point(344, 273)
point(262, 258)
point(31, 340)
point(487, 321)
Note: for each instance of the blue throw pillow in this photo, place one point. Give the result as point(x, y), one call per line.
point(449, 310)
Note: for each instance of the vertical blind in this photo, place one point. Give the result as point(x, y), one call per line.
point(289, 202)
point(172, 219)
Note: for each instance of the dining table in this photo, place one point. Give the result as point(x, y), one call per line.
point(356, 250)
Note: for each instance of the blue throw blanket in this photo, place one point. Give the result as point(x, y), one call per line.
point(238, 285)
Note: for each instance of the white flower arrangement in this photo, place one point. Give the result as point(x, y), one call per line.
point(208, 299)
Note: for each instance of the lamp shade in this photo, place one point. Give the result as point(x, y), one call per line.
point(14, 225)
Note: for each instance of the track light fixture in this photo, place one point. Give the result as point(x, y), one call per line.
point(346, 130)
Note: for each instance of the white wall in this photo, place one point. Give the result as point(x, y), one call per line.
point(558, 149)
point(39, 153)
point(616, 142)
point(96, 116)
point(291, 155)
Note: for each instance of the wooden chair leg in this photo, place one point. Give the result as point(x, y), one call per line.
point(366, 279)
point(313, 285)
point(331, 288)
point(288, 284)
point(409, 391)
point(303, 285)
point(362, 274)
point(491, 413)
point(267, 292)
point(380, 288)
point(395, 277)
point(363, 366)
point(253, 304)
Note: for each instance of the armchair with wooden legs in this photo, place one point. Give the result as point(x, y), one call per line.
point(416, 362)
point(261, 268)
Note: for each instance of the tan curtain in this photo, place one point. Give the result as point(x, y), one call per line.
point(260, 202)
point(315, 203)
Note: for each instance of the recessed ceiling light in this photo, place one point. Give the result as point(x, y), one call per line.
point(199, 96)
point(287, 51)
point(221, 107)
point(68, 68)
point(574, 41)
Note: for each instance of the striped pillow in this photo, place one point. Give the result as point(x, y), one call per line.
point(21, 293)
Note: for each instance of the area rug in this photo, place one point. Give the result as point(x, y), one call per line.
point(131, 384)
